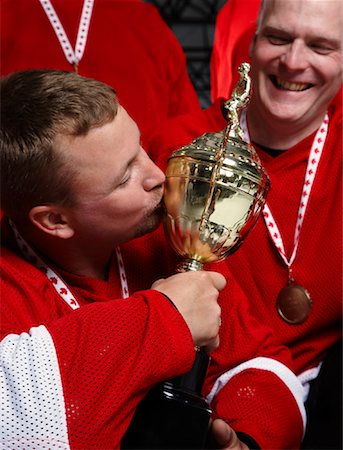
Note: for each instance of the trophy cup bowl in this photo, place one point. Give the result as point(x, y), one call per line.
point(211, 203)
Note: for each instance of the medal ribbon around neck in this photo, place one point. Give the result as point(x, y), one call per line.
point(72, 56)
point(312, 165)
point(59, 285)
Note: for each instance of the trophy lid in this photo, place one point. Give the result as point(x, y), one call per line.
point(227, 148)
point(237, 154)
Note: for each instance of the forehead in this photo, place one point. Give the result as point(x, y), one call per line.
point(305, 17)
point(105, 148)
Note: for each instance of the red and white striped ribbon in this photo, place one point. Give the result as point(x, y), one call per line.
point(311, 170)
point(73, 56)
point(122, 274)
point(59, 285)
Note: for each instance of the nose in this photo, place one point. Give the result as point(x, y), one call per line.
point(153, 175)
point(295, 56)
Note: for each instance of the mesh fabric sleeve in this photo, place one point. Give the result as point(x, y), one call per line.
point(75, 382)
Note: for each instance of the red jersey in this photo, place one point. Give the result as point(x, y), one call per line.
point(74, 378)
point(128, 47)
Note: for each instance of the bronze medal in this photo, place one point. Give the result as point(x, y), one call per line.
point(294, 304)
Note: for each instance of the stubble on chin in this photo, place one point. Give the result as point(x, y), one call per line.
point(151, 221)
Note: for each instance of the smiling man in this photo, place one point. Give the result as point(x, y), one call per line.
point(296, 69)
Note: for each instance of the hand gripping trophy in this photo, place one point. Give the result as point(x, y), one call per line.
point(215, 190)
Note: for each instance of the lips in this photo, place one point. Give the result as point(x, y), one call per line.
point(289, 85)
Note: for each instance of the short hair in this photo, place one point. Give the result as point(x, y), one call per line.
point(36, 106)
point(261, 14)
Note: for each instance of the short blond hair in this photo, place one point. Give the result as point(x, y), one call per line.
point(36, 106)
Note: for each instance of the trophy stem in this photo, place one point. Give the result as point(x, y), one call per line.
point(193, 380)
point(189, 264)
point(174, 415)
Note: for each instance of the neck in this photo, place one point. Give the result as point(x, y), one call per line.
point(277, 134)
point(70, 255)
point(80, 263)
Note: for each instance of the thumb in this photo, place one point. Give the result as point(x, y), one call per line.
point(225, 436)
point(222, 433)
point(218, 280)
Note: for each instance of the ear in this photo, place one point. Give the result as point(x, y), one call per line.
point(53, 220)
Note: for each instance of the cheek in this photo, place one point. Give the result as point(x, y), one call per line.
point(100, 213)
point(263, 63)
point(333, 74)
point(263, 53)
point(129, 208)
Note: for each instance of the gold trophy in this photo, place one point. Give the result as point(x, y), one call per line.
point(215, 189)
point(214, 192)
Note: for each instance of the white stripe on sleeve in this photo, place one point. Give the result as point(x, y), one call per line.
point(262, 363)
point(33, 409)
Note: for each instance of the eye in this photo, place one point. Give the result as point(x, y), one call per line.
point(320, 48)
point(125, 179)
point(131, 170)
point(275, 39)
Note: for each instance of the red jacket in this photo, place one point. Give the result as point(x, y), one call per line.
point(129, 47)
point(234, 31)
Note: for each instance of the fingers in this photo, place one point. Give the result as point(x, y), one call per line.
point(219, 281)
point(225, 437)
point(212, 345)
point(195, 294)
